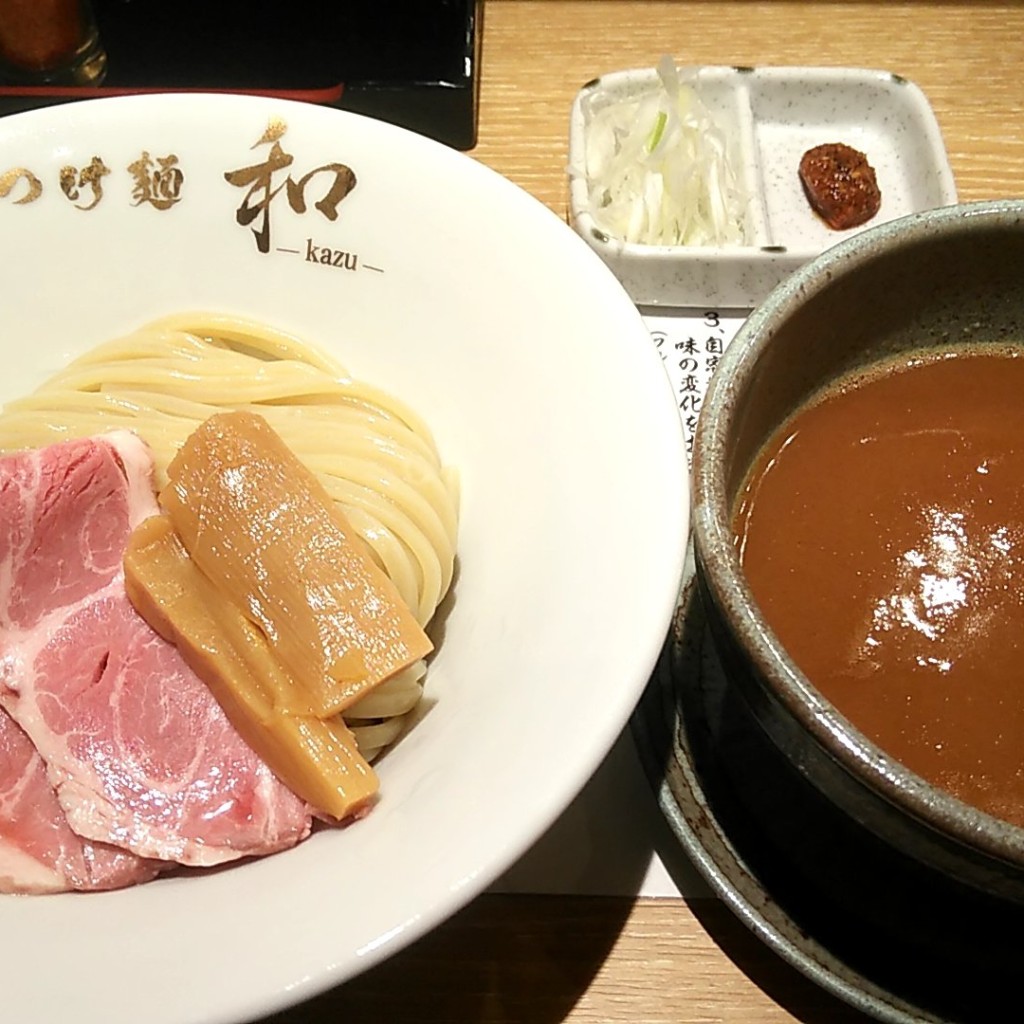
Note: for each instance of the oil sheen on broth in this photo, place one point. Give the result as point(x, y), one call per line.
point(882, 532)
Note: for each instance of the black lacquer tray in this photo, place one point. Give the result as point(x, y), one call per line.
point(878, 930)
point(415, 65)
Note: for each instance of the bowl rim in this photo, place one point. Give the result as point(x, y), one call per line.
point(719, 565)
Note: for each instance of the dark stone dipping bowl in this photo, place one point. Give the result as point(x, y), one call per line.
point(953, 275)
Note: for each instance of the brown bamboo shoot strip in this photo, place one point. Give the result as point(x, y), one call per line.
point(259, 524)
point(317, 759)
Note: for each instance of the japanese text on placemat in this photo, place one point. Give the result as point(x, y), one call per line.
point(690, 344)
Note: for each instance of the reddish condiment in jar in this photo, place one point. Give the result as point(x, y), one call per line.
point(37, 35)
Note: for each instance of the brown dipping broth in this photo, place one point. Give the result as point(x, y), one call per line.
point(881, 530)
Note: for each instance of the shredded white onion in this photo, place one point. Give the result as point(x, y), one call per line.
point(658, 168)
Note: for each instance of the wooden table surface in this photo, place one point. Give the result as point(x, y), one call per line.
point(547, 959)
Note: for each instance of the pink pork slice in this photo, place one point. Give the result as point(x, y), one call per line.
point(138, 750)
point(39, 853)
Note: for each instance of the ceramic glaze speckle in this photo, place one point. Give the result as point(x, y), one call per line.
point(773, 115)
point(869, 297)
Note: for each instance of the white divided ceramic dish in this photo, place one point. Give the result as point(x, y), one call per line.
point(475, 304)
point(772, 115)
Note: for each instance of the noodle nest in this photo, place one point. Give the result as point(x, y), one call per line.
point(375, 457)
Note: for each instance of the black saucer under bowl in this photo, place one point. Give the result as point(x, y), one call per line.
point(881, 931)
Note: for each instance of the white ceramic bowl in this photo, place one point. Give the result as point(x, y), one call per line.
point(476, 305)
